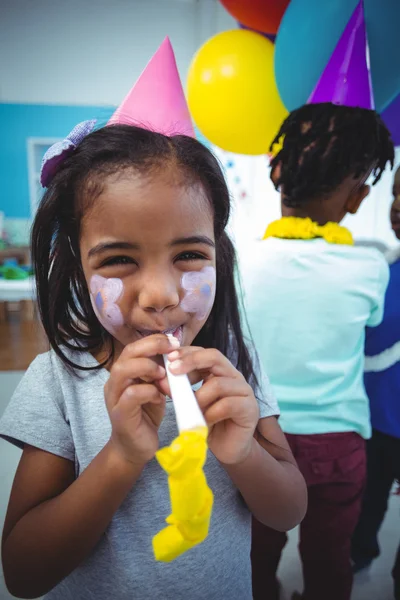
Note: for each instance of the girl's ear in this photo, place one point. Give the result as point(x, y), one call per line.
point(356, 197)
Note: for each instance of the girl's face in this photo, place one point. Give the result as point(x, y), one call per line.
point(148, 254)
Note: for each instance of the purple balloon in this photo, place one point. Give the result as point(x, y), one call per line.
point(391, 116)
point(269, 36)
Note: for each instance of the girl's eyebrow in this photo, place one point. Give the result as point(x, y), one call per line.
point(103, 246)
point(193, 239)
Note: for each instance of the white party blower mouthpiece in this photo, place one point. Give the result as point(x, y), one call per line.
point(187, 410)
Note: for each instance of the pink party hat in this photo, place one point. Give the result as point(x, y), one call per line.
point(157, 102)
point(346, 79)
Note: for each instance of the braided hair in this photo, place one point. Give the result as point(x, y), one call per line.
point(322, 145)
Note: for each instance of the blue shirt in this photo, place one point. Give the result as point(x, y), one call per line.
point(308, 304)
point(382, 362)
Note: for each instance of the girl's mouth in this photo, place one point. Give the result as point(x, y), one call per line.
point(177, 332)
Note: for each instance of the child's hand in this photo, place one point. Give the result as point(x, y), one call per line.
point(135, 400)
point(226, 399)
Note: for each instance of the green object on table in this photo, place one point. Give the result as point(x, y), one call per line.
point(13, 273)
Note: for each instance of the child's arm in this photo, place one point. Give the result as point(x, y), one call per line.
point(54, 522)
point(269, 479)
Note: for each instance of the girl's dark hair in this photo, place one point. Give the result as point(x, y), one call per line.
point(323, 144)
point(63, 298)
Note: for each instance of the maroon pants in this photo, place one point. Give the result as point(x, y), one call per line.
point(334, 468)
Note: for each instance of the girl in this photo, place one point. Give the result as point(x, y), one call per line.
point(126, 216)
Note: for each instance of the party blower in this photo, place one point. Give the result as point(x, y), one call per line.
point(183, 461)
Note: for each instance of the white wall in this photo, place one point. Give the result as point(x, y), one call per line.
point(92, 51)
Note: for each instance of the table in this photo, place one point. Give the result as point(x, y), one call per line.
point(22, 254)
point(22, 291)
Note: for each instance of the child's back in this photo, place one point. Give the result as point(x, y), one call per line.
point(309, 295)
point(314, 304)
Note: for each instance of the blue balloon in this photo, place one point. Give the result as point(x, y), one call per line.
point(391, 116)
point(307, 37)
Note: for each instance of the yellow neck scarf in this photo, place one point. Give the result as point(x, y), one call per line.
point(295, 228)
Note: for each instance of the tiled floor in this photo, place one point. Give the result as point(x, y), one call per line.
point(376, 584)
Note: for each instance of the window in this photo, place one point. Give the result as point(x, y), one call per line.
point(36, 147)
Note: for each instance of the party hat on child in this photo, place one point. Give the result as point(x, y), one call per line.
point(346, 79)
point(157, 102)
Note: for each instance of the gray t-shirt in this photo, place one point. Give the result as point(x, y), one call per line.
point(65, 414)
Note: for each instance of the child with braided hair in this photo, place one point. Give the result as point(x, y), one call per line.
point(309, 294)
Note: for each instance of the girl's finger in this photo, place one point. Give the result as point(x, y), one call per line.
point(208, 360)
point(217, 388)
point(194, 376)
point(239, 409)
point(152, 345)
point(124, 373)
point(163, 386)
point(181, 352)
point(137, 395)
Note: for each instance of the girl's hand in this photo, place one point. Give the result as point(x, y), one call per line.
point(135, 399)
point(226, 399)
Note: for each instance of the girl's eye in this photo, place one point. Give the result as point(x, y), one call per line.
point(117, 260)
point(188, 256)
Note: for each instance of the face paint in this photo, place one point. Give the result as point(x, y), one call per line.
point(104, 294)
point(199, 287)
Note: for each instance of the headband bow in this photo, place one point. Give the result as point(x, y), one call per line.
point(59, 151)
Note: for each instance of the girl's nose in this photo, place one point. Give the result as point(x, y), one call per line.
point(157, 294)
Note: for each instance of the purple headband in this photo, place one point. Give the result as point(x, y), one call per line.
point(59, 151)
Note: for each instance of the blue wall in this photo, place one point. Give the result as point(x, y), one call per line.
point(20, 121)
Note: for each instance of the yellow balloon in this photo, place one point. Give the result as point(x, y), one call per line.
point(232, 92)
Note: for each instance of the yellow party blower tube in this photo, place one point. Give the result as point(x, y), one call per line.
point(191, 498)
point(183, 461)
